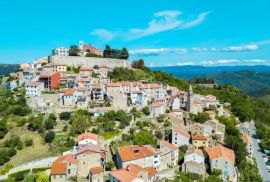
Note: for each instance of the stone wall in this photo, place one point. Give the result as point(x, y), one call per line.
point(89, 61)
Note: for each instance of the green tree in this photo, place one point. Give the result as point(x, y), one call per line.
point(49, 136)
point(74, 50)
point(42, 177)
point(65, 116)
point(145, 138)
point(146, 111)
point(80, 121)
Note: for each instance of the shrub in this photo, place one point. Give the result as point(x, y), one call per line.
point(49, 136)
point(28, 142)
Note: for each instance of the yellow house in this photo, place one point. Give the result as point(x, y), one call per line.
point(200, 141)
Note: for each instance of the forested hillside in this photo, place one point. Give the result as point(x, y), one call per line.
point(6, 69)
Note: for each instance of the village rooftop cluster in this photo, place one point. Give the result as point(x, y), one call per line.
point(63, 83)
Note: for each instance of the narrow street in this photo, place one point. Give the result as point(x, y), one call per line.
point(258, 155)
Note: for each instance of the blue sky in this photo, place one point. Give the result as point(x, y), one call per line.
point(162, 32)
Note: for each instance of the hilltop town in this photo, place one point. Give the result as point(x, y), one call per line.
point(121, 130)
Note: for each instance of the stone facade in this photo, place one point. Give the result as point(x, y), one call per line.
point(78, 61)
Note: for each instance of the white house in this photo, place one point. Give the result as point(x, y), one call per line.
point(180, 137)
point(34, 88)
point(87, 138)
point(67, 97)
point(61, 51)
point(195, 155)
point(157, 109)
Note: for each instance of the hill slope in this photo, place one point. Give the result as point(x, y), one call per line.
point(6, 69)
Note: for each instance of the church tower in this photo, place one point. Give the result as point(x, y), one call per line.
point(189, 99)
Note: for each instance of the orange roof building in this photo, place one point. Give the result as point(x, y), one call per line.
point(87, 138)
point(220, 152)
point(133, 172)
point(136, 154)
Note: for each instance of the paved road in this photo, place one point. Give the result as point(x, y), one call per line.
point(259, 159)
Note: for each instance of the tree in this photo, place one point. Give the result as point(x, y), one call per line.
point(136, 114)
point(145, 138)
point(74, 50)
point(42, 177)
point(200, 117)
point(80, 121)
point(139, 64)
point(49, 136)
point(146, 111)
point(3, 129)
point(161, 118)
point(159, 134)
point(124, 54)
point(122, 117)
point(109, 165)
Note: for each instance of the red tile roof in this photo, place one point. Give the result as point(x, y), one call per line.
point(123, 175)
point(34, 84)
point(131, 172)
point(96, 170)
point(219, 151)
point(87, 135)
point(67, 158)
point(168, 145)
point(58, 168)
point(133, 152)
point(196, 151)
point(47, 74)
point(200, 137)
point(68, 91)
point(85, 69)
point(181, 132)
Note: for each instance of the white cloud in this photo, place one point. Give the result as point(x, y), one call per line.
point(185, 63)
point(161, 22)
point(103, 34)
point(252, 47)
point(230, 61)
point(165, 21)
point(158, 51)
point(240, 48)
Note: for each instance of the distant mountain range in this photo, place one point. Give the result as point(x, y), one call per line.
point(254, 80)
point(6, 69)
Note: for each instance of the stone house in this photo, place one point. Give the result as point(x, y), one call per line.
point(200, 141)
point(96, 174)
point(89, 156)
point(63, 168)
point(157, 109)
point(144, 156)
point(224, 159)
point(134, 173)
point(169, 154)
point(59, 68)
point(180, 137)
point(88, 138)
point(34, 88)
point(247, 139)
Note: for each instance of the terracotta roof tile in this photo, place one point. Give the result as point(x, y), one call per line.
point(33, 84)
point(168, 145)
point(58, 168)
point(181, 132)
point(200, 138)
point(96, 170)
point(219, 151)
point(195, 151)
point(87, 135)
point(67, 158)
point(123, 175)
point(133, 152)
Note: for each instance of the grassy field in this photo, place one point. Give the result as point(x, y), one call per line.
point(37, 151)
